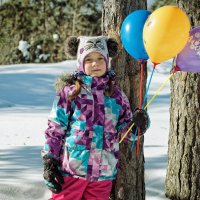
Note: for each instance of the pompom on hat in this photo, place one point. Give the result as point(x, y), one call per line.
point(83, 45)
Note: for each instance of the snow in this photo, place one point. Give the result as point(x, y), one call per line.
point(26, 96)
point(55, 36)
point(23, 47)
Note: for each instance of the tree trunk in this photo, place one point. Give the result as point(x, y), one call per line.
point(183, 173)
point(130, 180)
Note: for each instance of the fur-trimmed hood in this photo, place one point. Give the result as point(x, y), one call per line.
point(67, 79)
point(64, 80)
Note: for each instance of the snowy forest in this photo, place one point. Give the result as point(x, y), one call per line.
point(34, 31)
point(42, 26)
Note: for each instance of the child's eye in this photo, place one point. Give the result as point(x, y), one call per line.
point(88, 60)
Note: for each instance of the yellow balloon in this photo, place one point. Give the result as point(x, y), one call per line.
point(165, 33)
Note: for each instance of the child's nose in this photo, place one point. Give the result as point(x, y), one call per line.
point(94, 63)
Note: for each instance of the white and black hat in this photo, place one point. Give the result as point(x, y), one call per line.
point(83, 45)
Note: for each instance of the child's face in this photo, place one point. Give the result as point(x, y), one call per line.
point(95, 64)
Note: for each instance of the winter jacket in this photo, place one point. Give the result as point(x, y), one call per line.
point(84, 133)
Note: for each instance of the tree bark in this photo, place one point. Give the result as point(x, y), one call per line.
point(130, 180)
point(183, 172)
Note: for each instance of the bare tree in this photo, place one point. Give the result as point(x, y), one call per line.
point(183, 173)
point(130, 181)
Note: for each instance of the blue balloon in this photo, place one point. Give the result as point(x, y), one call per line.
point(131, 34)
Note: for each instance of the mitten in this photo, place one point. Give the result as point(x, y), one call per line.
point(52, 176)
point(141, 120)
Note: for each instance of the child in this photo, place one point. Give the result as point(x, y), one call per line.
point(89, 115)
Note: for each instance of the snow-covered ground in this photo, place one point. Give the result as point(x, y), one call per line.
point(26, 96)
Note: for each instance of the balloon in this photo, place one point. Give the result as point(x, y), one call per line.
point(188, 60)
point(165, 33)
point(131, 34)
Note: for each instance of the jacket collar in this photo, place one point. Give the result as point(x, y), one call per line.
point(95, 83)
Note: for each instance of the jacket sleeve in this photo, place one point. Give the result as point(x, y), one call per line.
point(125, 119)
point(57, 124)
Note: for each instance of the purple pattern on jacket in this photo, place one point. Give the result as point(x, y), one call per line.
point(84, 133)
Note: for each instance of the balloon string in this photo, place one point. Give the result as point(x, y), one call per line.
point(140, 105)
point(148, 86)
point(159, 89)
point(134, 137)
point(145, 97)
point(141, 85)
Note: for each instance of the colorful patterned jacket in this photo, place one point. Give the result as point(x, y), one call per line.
point(84, 133)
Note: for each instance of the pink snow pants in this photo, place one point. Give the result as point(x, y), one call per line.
point(78, 189)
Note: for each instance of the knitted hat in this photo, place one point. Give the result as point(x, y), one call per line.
point(83, 45)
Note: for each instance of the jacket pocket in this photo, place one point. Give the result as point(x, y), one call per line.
point(109, 164)
point(75, 159)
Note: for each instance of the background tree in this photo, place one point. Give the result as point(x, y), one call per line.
point(159, 3)
point(183, 173)
point(130, 181)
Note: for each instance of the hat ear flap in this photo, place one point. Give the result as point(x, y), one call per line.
point(71, 46)
point(112, 47)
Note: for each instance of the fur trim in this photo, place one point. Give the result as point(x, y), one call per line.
point(64, 80)
point(71, 46)
point(112, 47)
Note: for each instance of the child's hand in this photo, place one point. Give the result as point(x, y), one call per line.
point(52, 176)
point(141, 120)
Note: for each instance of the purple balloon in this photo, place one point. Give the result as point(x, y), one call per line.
point(188, 60)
